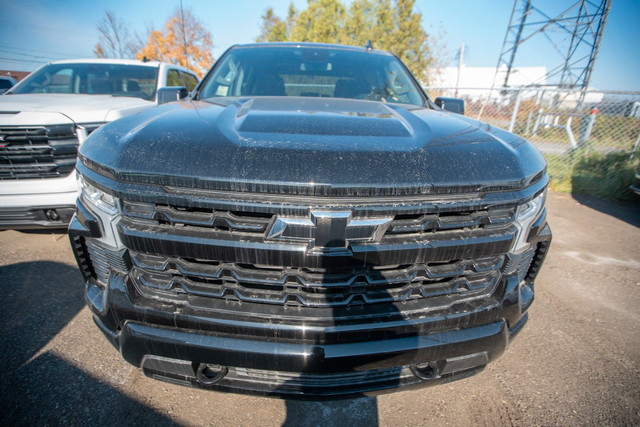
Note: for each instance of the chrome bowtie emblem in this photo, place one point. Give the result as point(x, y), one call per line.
point(329, 231)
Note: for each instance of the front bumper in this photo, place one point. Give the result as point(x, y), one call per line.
point(310, 371)
point(303, 370)
point(259, 355)
point(37, 203)
point(34, 218)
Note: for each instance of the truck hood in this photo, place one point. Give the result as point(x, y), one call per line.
point(35, 109)
point(311, 146)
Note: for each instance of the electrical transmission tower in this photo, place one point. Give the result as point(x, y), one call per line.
point(574, 34)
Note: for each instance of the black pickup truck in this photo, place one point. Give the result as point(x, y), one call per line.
point(309, 224)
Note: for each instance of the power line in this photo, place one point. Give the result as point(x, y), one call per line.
point(37, 50)
point(31, 24)
point(29, 55)
point(18, 60)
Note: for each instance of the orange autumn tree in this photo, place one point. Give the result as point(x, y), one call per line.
point(183, 42)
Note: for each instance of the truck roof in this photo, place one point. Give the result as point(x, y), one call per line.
point(316, 45)
point(154, 64)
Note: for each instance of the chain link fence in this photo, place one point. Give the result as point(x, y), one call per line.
point(589, 138)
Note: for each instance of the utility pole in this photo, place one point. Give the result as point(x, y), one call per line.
point(460, 58)
point(184, 37)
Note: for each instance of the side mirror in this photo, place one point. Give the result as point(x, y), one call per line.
point(455, 105)
point(171, 93)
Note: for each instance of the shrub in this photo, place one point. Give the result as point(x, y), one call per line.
point(585, 171)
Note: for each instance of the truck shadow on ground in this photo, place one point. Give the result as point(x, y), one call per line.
point(627, 211)
point(38, 300)
point(39, 387)
point(352, 412)
point(49, 391)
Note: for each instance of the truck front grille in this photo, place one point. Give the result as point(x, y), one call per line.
point(180, 216)
point(257, 222)
point(37, 152)
point(314, 287)
point(434, 256)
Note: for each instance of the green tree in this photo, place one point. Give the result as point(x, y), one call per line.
point(407, 38)
point(322, 22)
point(275, 29)
point(391, 25)
point(360, 25)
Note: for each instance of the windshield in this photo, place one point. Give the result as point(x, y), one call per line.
point(311, 71)
point(92, 79)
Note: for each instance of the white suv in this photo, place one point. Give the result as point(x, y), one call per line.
point(45, 117)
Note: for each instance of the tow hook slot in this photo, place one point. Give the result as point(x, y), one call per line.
point(431, 370)
point(425, 371)
point(52, 214)
point(209, 374)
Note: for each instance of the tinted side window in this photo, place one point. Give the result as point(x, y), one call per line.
point(173, 78)
point(190, 81)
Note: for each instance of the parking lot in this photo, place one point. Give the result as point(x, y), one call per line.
point(576, 362)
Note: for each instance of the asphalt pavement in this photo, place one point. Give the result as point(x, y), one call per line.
point(577, 362)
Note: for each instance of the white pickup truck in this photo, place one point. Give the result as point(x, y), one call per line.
point(45, 117)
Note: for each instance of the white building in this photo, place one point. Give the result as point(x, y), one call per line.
point(474, 83)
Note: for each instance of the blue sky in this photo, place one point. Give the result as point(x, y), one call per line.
point(33, 32)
